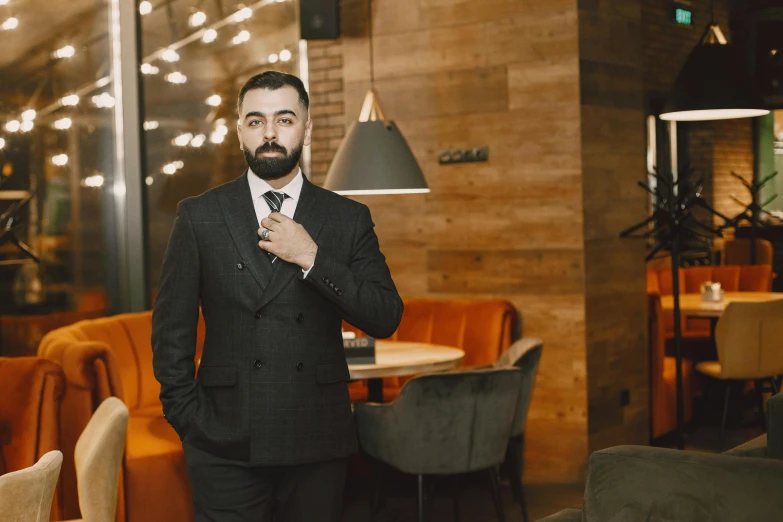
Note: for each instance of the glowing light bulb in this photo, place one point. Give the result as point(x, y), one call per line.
point(145, 8)
point(2, 143)
point(217, 137)
point(60, 160)
point(214, 100)
point(10, 24)
point(148, 68)
point(151, 125)
point(170, 55)
point(13, 126)
point(28, 115)
point(94, 181)
point(176, 77)
point(198, 140)
point(285, 55)
point(26, 126)
point(70, 100)
point(242, 15)
point(64, 52)
point(149, 180)
point(209, 36)
point(63, 124)
point(242, 37)
point(273, 58)
point(198, 18)
point(182, 140)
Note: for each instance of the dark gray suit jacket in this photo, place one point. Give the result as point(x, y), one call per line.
point(271, 387)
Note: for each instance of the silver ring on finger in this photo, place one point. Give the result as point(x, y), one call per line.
point(265, 235)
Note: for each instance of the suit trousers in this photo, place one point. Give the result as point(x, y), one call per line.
point(235, 491)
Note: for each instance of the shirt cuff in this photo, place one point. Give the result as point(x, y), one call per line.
point(305, 272)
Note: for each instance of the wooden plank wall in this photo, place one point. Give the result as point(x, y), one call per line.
point(502, 73)
point(613, 141)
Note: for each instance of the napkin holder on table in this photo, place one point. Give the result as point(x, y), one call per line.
point(358, 350)
point(711, 292)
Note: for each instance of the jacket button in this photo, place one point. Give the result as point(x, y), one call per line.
point(338, 292)
point(240, 265)
point(299, 367)
point(326, 280)
point(299, 318)
point(257, 363)
point(257, 315)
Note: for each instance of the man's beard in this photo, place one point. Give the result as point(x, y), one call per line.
point(274, 167)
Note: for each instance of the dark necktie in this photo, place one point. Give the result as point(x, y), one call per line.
point(275, 202)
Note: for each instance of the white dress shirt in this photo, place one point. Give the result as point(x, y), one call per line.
point(259, 187)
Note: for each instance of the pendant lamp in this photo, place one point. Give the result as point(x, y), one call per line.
point(374, 157)
point(712, 85)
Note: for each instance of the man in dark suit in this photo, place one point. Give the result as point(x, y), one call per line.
point(275, 263)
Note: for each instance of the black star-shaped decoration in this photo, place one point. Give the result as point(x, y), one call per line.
point(753, 209)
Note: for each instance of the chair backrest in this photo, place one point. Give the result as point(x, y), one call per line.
point(524, 354)
point(737, 252)
point(26, 495)
point(21, 334)
point(749, 337)
point(734, 278)
point(99, 453)
point(455, 422)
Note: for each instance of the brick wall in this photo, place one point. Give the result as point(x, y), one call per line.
point(327, 106)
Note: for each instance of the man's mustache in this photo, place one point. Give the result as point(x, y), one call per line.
point(271, 147)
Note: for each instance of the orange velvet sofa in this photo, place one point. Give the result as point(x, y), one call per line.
point(483, 329)
point(663, 368)
point(112, 356)
point(32, 389)
point(733, 278)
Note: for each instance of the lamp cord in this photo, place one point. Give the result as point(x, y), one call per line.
point(372, 61)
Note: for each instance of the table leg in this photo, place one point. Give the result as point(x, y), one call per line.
point(375, 390)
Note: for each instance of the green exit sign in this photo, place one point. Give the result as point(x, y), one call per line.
point(683, 16)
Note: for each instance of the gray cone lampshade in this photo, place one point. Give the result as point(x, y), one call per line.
point(712, 85)
point(374, 158)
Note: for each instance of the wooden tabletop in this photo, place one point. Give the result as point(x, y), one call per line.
point(692, 304)
point(393, 358)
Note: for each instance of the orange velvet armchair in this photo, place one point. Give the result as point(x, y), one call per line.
point(32, 390)
point(483, 329)
point(112, 356)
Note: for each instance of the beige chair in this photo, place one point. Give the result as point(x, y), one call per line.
point(98, 457)
point(26, 495)
point(749, 338)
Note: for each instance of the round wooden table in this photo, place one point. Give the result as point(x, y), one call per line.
point(397, 358)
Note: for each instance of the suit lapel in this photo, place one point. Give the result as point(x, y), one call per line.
point(311, 214)
point(237, 206)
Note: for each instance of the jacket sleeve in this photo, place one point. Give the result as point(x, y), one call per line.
point(363, 291)
point(174, 324)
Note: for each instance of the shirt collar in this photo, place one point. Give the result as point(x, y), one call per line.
point(258, 186)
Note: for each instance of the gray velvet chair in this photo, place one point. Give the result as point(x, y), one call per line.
point(630, 483)
point(447, 423)
point(524, 354)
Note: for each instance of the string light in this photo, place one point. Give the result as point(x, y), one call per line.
point(216, 137)
point(70, 100)
point(209, 36)
point(197, 19)
point(149, 180)
point(214, 100)
point(170, 55)
point(145, 8)
point(171, 168)
point(94, 181)
point(242, 15)
point(151, 125)
point(242, 37)
point(28, 115)
point(60, 160)
point(182, 140)
point(148, 68)
point(26, 126)
point(3, 2)
point(103, 101)
point(198, 140)
point(13, 126)
point(285, 55)
point(10, 24)
point(64, 52)
point(63, 124)
point(219, 134)
point(2, 143)
point(176, 77)
point(273, 58)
